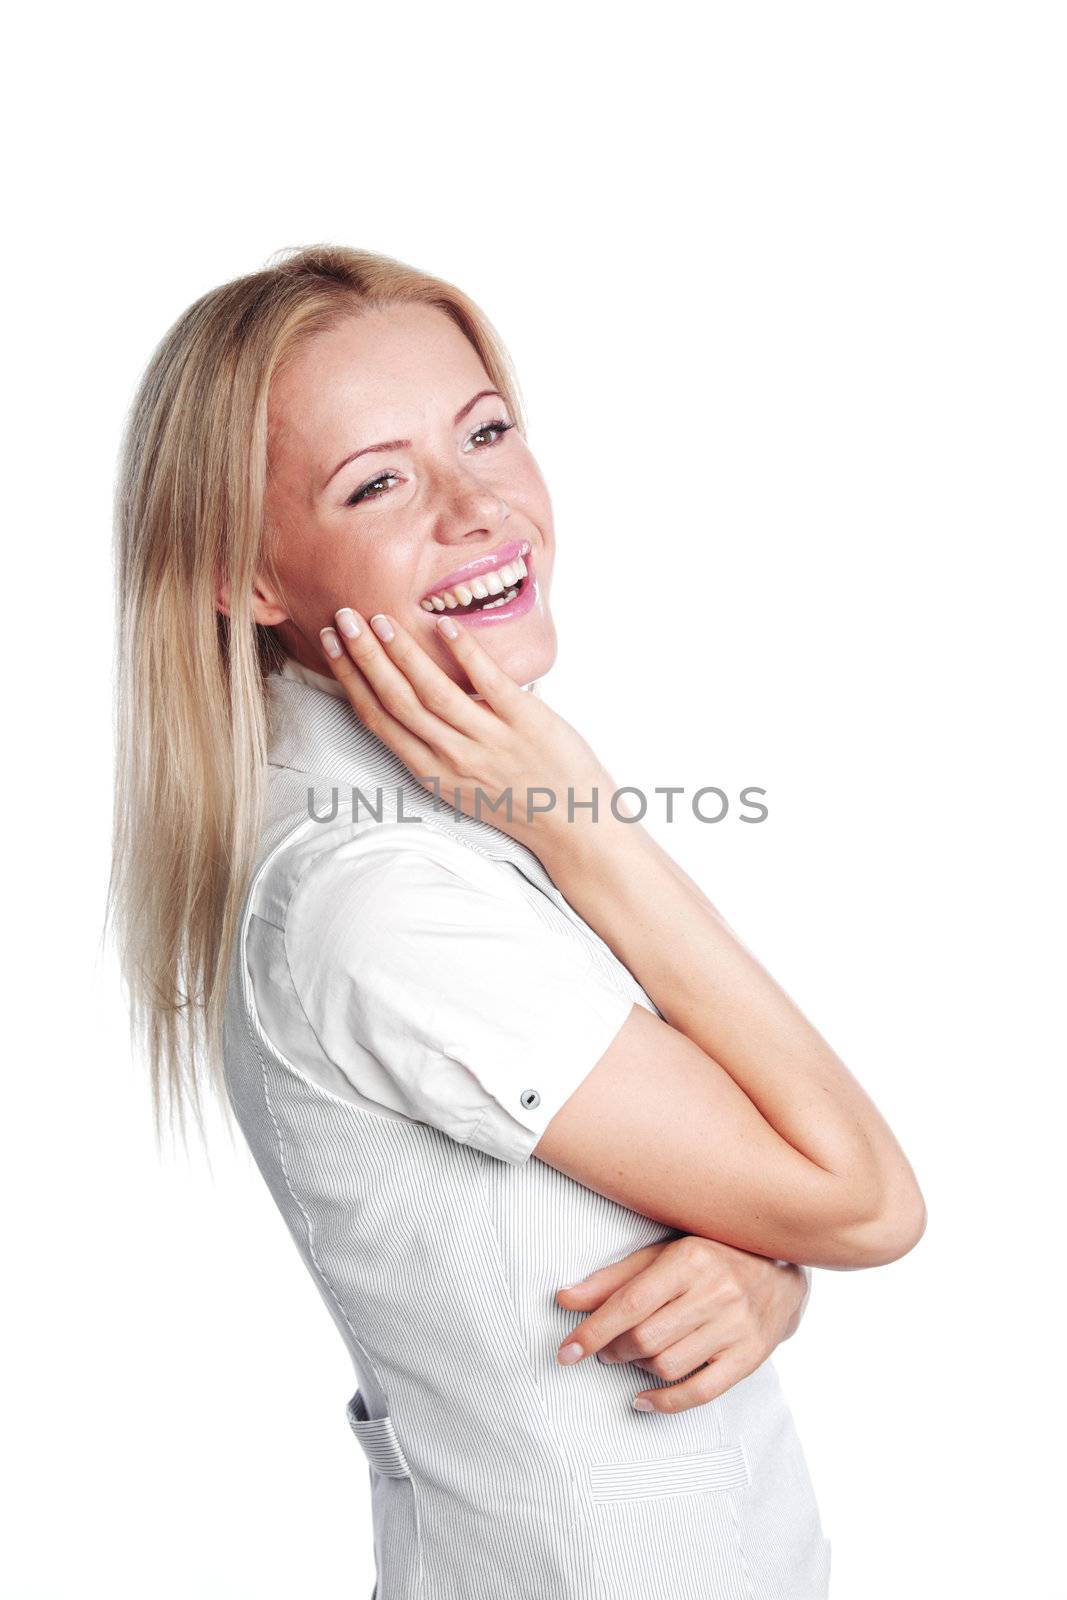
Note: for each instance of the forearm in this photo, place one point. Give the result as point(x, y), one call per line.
point(711, 988)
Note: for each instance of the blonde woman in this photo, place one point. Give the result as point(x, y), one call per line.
point(553, 1145)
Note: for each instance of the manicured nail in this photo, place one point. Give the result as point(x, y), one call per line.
point(330, 642)
point(569, 1353)
point(347, 622)
point(382, 627)
point(448, 628)
point(641, 1404)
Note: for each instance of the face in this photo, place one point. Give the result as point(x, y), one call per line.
point(396, 474)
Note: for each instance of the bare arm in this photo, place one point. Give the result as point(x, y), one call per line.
point(799, 1162)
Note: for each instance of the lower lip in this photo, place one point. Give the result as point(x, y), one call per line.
point(523, 602)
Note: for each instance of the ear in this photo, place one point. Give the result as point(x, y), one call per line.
point(266, 607)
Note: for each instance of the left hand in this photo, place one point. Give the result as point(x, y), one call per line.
point(672, 1306)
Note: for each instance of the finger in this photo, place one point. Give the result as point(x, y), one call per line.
point(633, 1303)
point(386, 702)
point(416, 755)
point(707, 1384)
point(368, 649)
point(673, 1320)
point(436, 691)
point(501, 693)
point(593, 1289)
point(678, 1358)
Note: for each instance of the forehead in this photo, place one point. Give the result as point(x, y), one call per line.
point(375, 375)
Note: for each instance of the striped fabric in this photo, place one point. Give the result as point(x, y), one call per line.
point(494, 1472)
point(636, 1480)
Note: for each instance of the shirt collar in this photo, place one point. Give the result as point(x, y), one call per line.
point(296, 672)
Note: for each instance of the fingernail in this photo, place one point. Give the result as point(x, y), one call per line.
point(641, 1404)
point(346, 621)
point(569, 1353)
point(448, 628)
point(330, 642)
point(382, 627)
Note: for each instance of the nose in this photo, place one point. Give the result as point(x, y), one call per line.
point(468, 509)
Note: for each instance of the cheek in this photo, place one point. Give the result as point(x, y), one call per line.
point(322, 568)
point(531, 493)
point(308, 559)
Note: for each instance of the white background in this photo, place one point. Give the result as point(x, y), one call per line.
point(785, 288)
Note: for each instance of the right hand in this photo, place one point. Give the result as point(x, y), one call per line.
point(508, 741)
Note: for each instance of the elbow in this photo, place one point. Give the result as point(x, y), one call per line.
point(884, 1232)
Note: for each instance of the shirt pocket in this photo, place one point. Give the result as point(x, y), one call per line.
point(707, 1472)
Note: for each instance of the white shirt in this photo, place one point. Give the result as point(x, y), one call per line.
point(296, 670)
point(409, 1006)
point(430, 981)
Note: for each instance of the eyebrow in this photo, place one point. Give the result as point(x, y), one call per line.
point(404, 444)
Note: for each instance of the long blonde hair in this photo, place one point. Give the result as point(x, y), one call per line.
point(190, 701)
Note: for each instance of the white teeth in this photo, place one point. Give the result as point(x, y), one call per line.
point(491, 583)
point(504, 597)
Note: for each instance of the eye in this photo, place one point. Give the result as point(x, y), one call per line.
point(499, 427)
point(372, 490)
point(366, 492)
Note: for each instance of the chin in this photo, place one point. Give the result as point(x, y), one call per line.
point(524, 660)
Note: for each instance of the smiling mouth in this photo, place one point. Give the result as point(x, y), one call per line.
point(492, 588)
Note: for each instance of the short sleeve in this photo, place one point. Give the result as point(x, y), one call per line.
point(441, 988)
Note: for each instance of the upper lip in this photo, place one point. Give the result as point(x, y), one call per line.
point(474, 569)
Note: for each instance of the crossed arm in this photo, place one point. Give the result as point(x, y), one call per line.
point(757, 1138)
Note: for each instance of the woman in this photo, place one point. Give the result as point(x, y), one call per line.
point(335, 555)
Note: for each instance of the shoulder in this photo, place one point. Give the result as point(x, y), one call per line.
point(306, 860)
point(409, 896)
point(389, 862)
